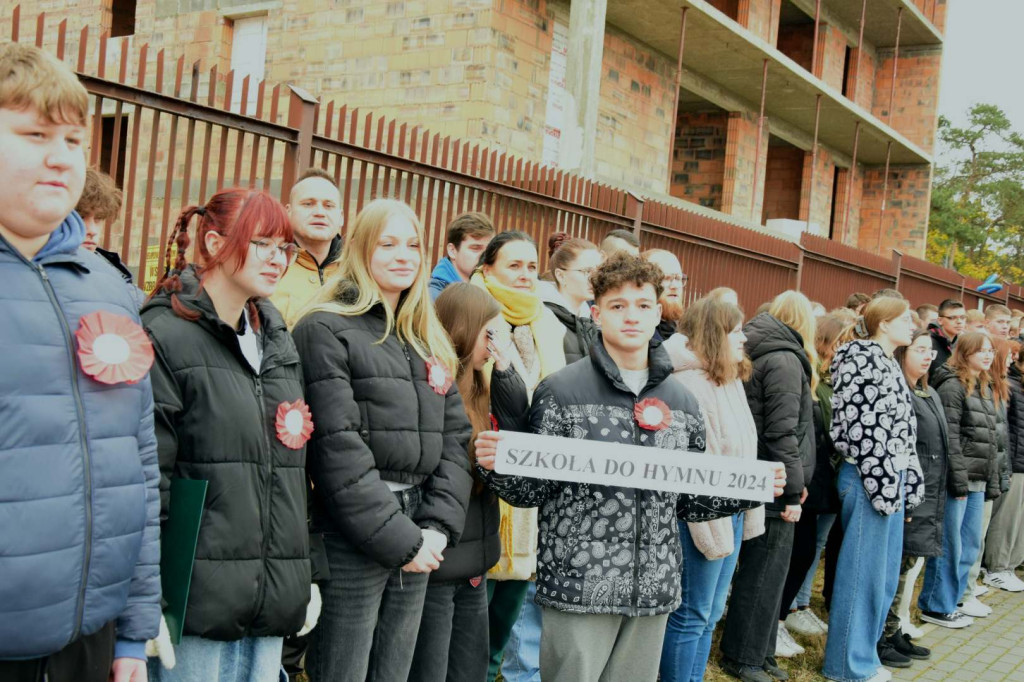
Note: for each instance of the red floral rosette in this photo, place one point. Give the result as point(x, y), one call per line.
point(294, 423)
point(113, 349)
point(652, 414)
point(438, 376)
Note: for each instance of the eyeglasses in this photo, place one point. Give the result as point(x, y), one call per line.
point(677, 279)
point(266, 251)
point(587, 272)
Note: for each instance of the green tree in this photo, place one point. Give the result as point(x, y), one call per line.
point(977, 208)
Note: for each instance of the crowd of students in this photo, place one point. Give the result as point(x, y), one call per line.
point(344, 405)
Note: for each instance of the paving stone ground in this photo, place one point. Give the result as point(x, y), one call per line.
point(991, 650)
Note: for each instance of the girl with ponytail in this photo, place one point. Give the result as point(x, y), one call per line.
point(230, 412)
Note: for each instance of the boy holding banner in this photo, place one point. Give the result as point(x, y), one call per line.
point(608, 556)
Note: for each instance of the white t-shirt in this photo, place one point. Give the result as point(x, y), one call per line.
point(636, 379)
point(249, 342)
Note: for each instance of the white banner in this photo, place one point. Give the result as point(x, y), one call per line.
point(634, 466)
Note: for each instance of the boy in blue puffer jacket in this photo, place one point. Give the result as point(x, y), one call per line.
point(79, 498)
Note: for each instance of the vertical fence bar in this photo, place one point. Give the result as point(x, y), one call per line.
point(298, 155)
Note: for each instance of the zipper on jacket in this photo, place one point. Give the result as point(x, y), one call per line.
point(265, 510)
point(83, 441)
point(636, 523)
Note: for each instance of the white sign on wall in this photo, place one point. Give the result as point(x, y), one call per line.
point(554, 117)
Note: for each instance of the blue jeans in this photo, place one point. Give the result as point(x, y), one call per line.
point(867, 576)
point(522, 653)
point(945, 576)
point(803, 597)
point(252, 659)
point(684, 656)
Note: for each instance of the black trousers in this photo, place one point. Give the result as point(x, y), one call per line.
point(753, 619)
point(805, 546)
point(87, 659)
point(453, 643)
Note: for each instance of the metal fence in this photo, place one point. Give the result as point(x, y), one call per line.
point(171, 134)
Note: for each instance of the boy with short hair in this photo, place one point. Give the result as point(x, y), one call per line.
point(945, 330)
point(468, 236)
point(608, 569)
point(997, 321)
point(79, 496)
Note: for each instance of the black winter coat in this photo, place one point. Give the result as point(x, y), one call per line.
point(943, 348)
point(604, 549)
point(580, 332)
point(974, 434)
point(480, 546)
point(1015, 421)
point(779, 394)
point(378, 419)
point(216, 421)
point(822, 492)
point(922, 534)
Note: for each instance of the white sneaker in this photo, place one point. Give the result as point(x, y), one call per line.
point(883, 675)
point(911, 629)
point(1005, 580)
point(979, 590)
point(974, 609)
point(785, 645)
point(804, 622)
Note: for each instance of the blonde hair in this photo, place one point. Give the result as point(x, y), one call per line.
point(794, 310)
point(882, 309)
point(30, 77)
point(707, 325)
point(414, 321)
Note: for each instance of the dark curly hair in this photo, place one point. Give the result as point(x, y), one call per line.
point(621, 269)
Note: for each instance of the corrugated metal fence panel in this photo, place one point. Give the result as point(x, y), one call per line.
point(832, 271)
point(978, 299)
point(923, 282)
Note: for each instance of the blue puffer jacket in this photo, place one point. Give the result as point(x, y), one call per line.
point(79, 496)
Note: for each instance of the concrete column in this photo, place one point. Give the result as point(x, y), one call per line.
point(583, 85)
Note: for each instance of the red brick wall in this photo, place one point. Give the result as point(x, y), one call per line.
point(831, 56)
point(782, 183)
point(934, 11)
point(852, 218)
point(797, 42)
point(698, 157)
point(760, 17)
point(740, 148)
point(916, 98)
point(727, 7)
point(823, 176)
point(860, 84)
point(905, 222)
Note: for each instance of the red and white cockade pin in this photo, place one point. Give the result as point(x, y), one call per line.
point(652, 414)
point(113, 349)
point(294, 423)
point(438, 375)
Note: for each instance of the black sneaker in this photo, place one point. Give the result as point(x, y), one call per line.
point(745, 673)
point(890, 657)
point(900, 641)
point(772, 668)
point(954, 621)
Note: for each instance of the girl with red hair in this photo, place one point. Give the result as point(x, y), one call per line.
point(229, 411)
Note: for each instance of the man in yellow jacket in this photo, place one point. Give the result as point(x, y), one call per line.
point(314, 207)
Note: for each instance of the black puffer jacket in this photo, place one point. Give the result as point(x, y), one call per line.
point(580, 332)
point(1015, 419)
point(602, 549)
point(822, 493)
point(779, 394)
point(974, 434)
point(480, 546)
point(216, 421)
point(922, 535)
point(378, 419)
point(943, 348)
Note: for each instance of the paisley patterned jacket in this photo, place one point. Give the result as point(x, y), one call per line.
point(874, 426)
point(604, 549)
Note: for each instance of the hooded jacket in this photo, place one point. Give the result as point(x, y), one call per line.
point(443, 274)
point(580, 332)
point(1015, 421)
point(922, 534)
point(974, 434)
point(942, 346)
point(216, 420)
point(874, 426)
point(603, 549)
point(378, 419)
point(779, 395)
point(730, 432)
point(79, 481)
point(303, 280)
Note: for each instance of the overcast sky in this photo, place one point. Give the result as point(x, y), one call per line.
point(983, 59)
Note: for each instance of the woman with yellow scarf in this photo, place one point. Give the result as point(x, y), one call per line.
point(531, 337)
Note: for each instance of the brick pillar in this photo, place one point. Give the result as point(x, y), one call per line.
point(819, 214)
point(760, 17)
point(904, 225)
point(850, 236)
point(583, 83)
point(740, 150)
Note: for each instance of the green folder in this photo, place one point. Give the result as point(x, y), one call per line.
point(179, 535)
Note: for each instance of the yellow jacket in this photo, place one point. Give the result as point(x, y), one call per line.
point(302, 281)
